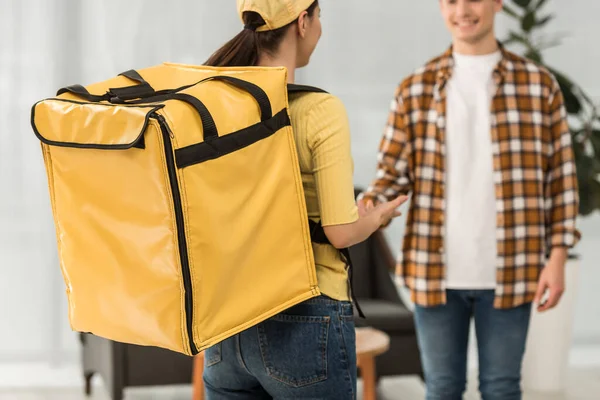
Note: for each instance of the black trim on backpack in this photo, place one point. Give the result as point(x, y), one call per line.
point(181, 233)
point(294, 88)
point(214, 148)
point(80, 91)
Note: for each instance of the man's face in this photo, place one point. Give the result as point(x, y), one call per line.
point(470, 21)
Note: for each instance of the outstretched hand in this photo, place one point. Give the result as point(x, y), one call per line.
point(386, 211)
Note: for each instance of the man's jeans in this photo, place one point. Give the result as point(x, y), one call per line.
point(443, 334)
point(306, 352)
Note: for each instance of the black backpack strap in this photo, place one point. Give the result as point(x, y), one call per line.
point(81, 91)
point(317, 235)
point(293, 88)
point(141, 90)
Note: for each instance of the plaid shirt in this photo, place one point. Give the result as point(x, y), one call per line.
point(534, 176)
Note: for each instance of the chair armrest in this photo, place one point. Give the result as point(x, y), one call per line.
point(383, 252)
point(384, 267)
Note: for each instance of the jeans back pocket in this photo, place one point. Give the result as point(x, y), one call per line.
point(213, 355)
point(294, 348)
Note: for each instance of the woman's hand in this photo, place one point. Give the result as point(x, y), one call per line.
point(384, 211)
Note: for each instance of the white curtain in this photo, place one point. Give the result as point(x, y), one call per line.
point(367, 48)
point(30, 292)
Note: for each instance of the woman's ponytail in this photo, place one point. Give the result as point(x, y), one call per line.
point(243, 50)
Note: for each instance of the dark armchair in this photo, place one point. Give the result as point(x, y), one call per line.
point(125, 365)
point(384, 310)
point(378, 297)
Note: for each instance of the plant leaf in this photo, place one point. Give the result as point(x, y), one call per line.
point(587, 98)
point(522, 3)
point(595, 139)
point(597, 165)
point(541, 22)
point(586, 206)
point(586, 179)
point(594, 194)
point(596, 203)
point(540, 4)
point(534, 55)
point(561, 77)
point(589, 196)
point(511, 12)
point(544, 43)
point(572, 102)
point(528, 21)
point(515, 37)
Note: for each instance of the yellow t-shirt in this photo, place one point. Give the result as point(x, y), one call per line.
point(322, 133)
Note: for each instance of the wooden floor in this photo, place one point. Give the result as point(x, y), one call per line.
point(582, 385)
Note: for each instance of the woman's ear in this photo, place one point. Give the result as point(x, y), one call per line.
point(302, 24)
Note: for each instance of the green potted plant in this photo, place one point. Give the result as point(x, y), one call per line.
point(546, 359)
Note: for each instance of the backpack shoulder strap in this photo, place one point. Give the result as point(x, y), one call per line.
point(293, 88)
point(317, 235)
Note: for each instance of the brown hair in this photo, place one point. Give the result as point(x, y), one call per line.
point(243, 49)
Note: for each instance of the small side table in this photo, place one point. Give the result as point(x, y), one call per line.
point(369, 344)
point(197, 381)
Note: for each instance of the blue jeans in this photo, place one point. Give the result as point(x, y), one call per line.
point(443, 334)
point(306, 352)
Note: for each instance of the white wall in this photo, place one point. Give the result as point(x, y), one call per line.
point(364, 53)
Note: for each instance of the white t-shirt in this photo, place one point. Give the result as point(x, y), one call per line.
point(470, 237)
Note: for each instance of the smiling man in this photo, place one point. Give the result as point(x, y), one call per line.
point(479, 137)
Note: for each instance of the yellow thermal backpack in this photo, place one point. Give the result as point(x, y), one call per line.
point(178, 203)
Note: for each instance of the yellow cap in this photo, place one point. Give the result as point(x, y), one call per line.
point(276, 13)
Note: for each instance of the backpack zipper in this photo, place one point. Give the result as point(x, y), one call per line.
point(181, 239)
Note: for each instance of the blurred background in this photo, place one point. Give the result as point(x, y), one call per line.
point(367, 48)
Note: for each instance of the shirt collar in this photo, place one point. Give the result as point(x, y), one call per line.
point(446, 65)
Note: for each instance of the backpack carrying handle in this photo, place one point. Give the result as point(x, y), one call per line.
point(266, 112)
point(261, 97)
point(82, 92)
point(115, 95)
point(208, 124)
point(143, 89)
point(144, 93)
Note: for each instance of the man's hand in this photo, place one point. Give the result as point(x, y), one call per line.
point(364, 207)
point(552, 279)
